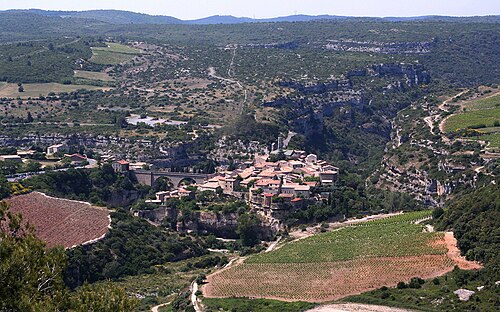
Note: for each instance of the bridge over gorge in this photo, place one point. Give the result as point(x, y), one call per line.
point(149, 177)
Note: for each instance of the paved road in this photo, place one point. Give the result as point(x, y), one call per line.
point(21, 176)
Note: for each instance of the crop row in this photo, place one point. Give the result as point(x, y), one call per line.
point(322, 281)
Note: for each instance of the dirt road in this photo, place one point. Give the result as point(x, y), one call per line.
point(454, 254)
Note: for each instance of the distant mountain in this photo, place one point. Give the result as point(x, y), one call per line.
point(108, 16)
point(220, 19)
point(228, 19)
point(126, 17)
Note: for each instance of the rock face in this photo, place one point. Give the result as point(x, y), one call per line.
point(203, 222)
point(122, 198)
point(464, 294)
point(219, 224)
point(348, 45)
point(413, 73)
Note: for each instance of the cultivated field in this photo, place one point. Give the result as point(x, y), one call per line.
point(114, 53)
point(61, 221)
point(92, 75)
point(482, 115)
point(333, 265)
point(10, 90)
point(473, 119)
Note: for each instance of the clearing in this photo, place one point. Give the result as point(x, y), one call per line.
point(93, 75)
point(346, 261)
point(114, 53)
point(34, 90)
point(61, 221)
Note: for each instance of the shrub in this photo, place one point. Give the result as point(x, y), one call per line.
point(401, 285)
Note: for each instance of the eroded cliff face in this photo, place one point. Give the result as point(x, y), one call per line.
point(122, 198)
point(203, 222)
point(207, 222)
point(347, 101)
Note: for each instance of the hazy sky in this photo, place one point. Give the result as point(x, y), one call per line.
point(190, 9)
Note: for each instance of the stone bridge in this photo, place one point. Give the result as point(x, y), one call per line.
point(149, 177)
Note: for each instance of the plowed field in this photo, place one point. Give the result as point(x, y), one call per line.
point(61, 221)
point(344, 262)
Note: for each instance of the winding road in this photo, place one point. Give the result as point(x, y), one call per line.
point(212, 73)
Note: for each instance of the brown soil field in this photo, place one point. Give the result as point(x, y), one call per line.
point(320, 282)
point(61, 221)
point(328, 281)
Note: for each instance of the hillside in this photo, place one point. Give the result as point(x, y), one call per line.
point(349, 260)
point(127, 17)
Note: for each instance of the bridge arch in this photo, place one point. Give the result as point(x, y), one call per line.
point(149, 177)
point(186, 180)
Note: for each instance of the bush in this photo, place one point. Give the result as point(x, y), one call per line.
point(438, 212)
point(416, 282)
point(401, 285)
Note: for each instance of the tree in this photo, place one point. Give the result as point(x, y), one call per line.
point(32, 166)
point(20, 87)
point(31, 275)
point(30, 117)
point(101, 297)
point(248, 227)
point(162, 184)
point(437, 212)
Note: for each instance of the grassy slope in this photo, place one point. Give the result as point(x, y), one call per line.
point(93, 75)
point(395, 236)
point(479, 112)
point(484, 111)
point(10, 90)
point(114, 53)
point(473, 118)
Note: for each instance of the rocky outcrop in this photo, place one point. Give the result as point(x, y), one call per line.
point(122, 198)
point(348, 45)
point(205, 222)
point(335, 85)
point(414, 74)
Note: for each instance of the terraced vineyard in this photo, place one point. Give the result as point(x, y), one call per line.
point(61, 221)
point(333, 265)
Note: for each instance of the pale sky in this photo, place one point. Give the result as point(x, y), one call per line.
point(192, 9)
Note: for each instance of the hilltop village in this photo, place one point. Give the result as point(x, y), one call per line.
point(272, 185)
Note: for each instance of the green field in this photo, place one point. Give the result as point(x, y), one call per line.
point(114, 53)
point(10, 90)
point(493, 139)
point(394, 236)
point(473, 119)
point(92, 75)
point(482, 115)
point(481, 112)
